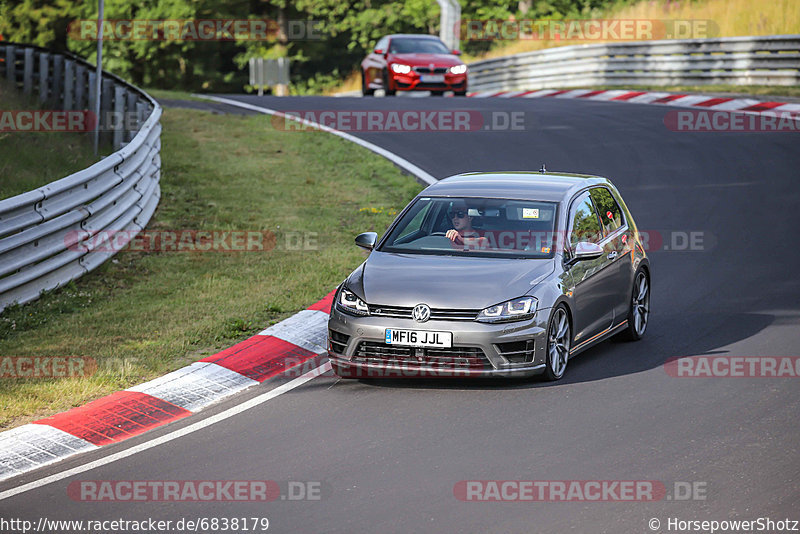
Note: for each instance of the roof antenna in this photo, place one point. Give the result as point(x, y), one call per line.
point(542, 170)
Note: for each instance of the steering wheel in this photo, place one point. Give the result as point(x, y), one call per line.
point(443, 234)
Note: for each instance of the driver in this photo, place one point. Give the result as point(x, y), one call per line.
point(462, 232)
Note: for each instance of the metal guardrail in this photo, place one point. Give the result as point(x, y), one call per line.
point(768, 60)
point(39, 229)
point(269, 73)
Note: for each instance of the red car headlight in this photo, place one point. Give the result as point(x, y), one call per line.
point(399, 68)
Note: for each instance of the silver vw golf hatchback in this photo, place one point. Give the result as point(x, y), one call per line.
point(493, 274)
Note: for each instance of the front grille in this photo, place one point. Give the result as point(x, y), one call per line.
point(517, 351)
point(428, 70)
point(437, 314)
point(435, 86)
point(371, 352)
point(337, 341)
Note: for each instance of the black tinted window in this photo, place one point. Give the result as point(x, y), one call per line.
point(608, 209)
point(584, 226)
point(418, 46)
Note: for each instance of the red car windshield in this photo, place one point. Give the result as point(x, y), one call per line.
point(405, 45)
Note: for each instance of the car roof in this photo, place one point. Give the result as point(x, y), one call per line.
point(527, 185)
point(421, 35)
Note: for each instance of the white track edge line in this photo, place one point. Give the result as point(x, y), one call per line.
point(199, 425)
point(391, 156)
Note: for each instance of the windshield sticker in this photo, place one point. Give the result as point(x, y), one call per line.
point(530, 213)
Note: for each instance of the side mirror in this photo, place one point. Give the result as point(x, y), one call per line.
point(456, 52)
point(367, 240)
point(378, 51)
point(586, 251)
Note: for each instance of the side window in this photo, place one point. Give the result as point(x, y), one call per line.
point(584, 223)
point(607, 207)
point(382, 44)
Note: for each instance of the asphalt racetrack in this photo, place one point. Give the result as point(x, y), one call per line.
point(389, 455)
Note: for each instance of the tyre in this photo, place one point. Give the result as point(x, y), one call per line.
point(365, 91)
point(460, 93)
point(387, 91)
point(639, 310)
point(559, 341)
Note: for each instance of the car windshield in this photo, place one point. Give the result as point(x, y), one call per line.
point(417, 46)
point(487, 227)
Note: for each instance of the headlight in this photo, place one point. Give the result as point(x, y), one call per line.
point(399, 68)
point(511, 310)
point(350, 303)
point(458, 69)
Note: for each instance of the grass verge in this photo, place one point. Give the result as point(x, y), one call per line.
point(146, 313)
point(32, 159)
point(161, 94)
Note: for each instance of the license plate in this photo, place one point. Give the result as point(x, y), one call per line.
point(418, 338)
point(431, 78)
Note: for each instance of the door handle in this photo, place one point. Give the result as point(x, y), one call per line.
point(612, 255)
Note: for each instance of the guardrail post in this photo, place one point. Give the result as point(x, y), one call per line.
point(44, 75)
point(251, 63)
point(141, 113)
point(57, 82)
point(130, 112)
point(270, 71)
point(69, 84)
point(27, 78)
point(11, 64)
point(80, 87)
point(106, 107)
point(92, 92)
point(282, 66)
point(118, 120)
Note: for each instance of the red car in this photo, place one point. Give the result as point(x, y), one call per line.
point(413, 63)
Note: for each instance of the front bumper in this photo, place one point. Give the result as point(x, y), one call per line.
point(356, 348)
point(348, 369)
point(412, 82)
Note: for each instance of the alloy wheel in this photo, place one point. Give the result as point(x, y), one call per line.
point(558, 344)
point(640, 307)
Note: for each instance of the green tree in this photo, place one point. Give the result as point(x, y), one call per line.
point(349, 27)
point(39, 22)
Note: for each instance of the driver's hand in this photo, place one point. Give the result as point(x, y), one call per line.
point(454, 236)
